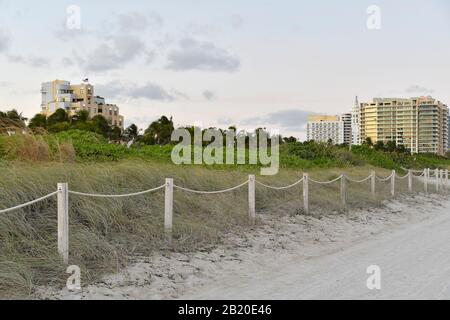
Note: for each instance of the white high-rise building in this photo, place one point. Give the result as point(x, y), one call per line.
point(356, 120)
point(325, 129)
point(346, 118)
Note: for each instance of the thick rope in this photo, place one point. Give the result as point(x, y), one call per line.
point(404, 177)
point(29, 203)
point(384, 179)
point(280, 188)
point(327, 182)
point(210, 192)
point(359, 181)
point(423, 173)
point(115, 195)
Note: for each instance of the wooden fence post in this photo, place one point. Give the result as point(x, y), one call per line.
point(436, 179)
point(425, 180)
point(344, 192)
point(305, 193)
point(410, 181)
point(63, 221)
point(251, 199)
point(446, 178)
point(372, 185)
point(168, 207)
point(393, 184)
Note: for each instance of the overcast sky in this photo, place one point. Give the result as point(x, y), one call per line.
point(226, 62)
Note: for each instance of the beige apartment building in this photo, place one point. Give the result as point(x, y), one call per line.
point(420, 124)
point(60, 94)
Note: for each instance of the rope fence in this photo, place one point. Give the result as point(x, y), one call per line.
point(281, 188)
point(439, 178)
point(94, 195)
point(210, 192)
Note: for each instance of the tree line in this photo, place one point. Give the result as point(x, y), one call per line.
point(159, 132)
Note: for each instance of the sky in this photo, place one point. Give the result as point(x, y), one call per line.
point(249, 63)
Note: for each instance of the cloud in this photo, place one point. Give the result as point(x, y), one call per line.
point(16, 59)
point(209, 95)
point(66, 33)
point(225, 121)
point(5, 40)
point(199, 29)
point(150, 56)
point(33, 61)
point(148, 91)
point(201, 55)
point(67, 62)
point(236, 21)
point(137, 21)
point(293, 119)
point(112, 54)
point(38, 62)
point(416, 89)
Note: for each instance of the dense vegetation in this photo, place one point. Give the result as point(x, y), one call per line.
point(78, 138)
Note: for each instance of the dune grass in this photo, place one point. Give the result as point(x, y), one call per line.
point(104, 233)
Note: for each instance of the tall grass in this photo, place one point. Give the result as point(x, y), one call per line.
point(36, 148)
point(104, 233)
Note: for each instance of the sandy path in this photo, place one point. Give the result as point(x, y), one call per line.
point(414, 263)
point(301, 257)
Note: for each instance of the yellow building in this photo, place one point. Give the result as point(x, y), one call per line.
point(419, 124)
point(319, 118)
point(60, 94)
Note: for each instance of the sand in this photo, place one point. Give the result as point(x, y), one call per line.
point(301, 257)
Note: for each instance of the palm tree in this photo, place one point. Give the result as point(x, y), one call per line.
point(159, 132)
point(131, 132)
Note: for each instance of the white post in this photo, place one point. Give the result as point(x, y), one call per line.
point(305, 193)
point(446, 178)
point(344, 192)
point(393, 184)
point(436, 179)
point(63, 221)
point(425, 180)
point(410, 181)
point(168, 207)
point(251, 199)
point(372, 184)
